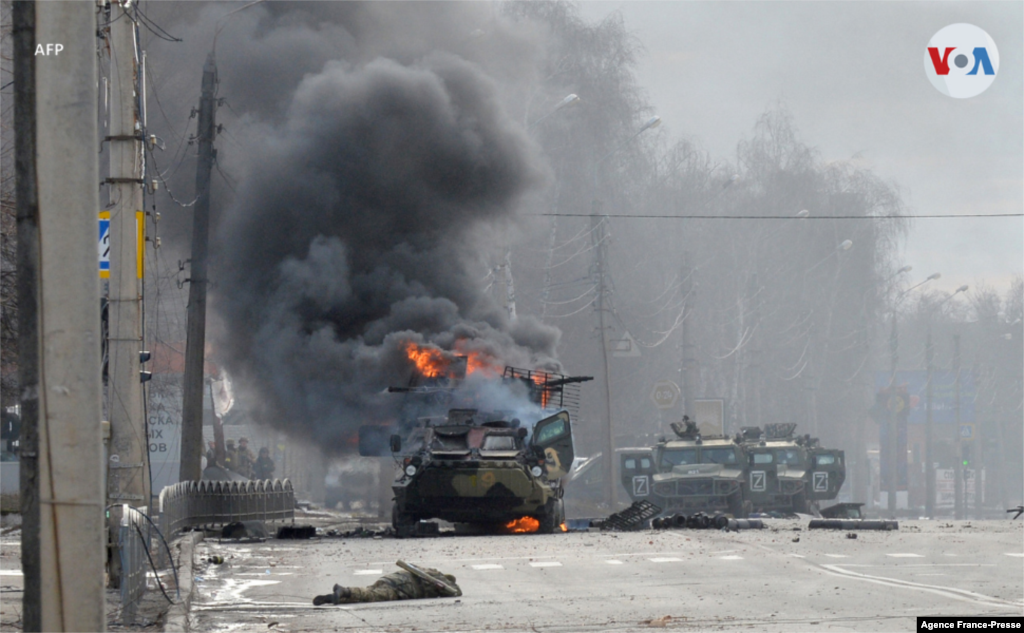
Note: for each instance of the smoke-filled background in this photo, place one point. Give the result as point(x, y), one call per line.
point(383, 171)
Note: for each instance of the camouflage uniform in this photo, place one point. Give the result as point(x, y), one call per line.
point(244, 459)
point(400, 585)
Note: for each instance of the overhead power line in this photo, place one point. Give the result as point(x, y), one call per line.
point(777, 217)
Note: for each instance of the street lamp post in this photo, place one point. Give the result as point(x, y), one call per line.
point(893, 428)
point(929, 455)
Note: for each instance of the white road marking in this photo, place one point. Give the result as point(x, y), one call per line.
point(11, 572)
point(1017, 554)
point(612, 561)
point(837, 555)
point(730, 558)
point(368, 572)
point(481, 567)
point(724, 551)
point(798, 555)
point(949, 592)
point(905, 555)
point(546, 563)
point(667, 559)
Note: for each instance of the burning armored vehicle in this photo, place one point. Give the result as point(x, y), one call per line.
point(464, 458)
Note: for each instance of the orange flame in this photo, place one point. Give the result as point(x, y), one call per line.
point(545, 395)
point(477, 361)
point(523, 525)
point(564, 527)
point(430, 361)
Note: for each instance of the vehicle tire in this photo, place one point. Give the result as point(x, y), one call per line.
point(404, 524)
point(739, 508)
point(552, 517)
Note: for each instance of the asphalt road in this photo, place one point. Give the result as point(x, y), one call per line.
point(704, 580)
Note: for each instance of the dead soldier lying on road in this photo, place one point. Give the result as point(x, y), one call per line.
point(412, 583)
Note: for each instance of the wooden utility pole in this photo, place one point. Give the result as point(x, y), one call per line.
point(59, 346)
point(128, 467)
point(195, 345)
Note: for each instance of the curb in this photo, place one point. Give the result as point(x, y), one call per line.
point(177, 616)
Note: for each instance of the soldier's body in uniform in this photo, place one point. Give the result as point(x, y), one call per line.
point(401, 585)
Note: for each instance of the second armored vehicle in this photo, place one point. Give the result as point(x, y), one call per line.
point(689, 474)
point(752, 472)
point(787, 473)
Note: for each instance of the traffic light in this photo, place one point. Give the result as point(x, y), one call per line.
point(965, 454)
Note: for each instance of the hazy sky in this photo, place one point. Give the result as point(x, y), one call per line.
point(852, 75)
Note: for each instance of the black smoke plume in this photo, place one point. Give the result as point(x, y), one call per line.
point(356, 231)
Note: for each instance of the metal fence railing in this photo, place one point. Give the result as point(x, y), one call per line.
point(133, 539)
point(143, 546)
point(210, 503)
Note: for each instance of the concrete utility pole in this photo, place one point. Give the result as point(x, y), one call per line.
point(894, 440)
point(597, 234)
point(128, 467)
point(958, 483)
point(689, 375)
point(195, 345)
point(59, 346)
point(929, 457)
point(978, 454)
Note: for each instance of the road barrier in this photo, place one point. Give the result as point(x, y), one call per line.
point(144, 548)
point(210, 503)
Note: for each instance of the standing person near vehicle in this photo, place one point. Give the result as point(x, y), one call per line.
point(230, 458)
point(244, 458)
point(264, 466)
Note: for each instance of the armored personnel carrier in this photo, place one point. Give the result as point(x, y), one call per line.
point(460, 462)
point(480, 468)
point(689, 474)
point(790, 473)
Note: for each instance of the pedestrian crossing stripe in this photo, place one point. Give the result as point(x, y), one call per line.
point(905, 555)
point(614, 562)
point(665, 560)
point(733, 557)
point(368, 572)
point(546, 563)
point(837, 555)
point(487, 566)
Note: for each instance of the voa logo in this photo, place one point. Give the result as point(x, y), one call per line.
point(961, 61)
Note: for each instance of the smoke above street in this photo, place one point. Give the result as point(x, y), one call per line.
point(354, 232)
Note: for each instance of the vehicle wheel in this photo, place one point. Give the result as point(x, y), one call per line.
point(552, 517)
point(739, 508)
point(800, 505)
point(403, 524)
